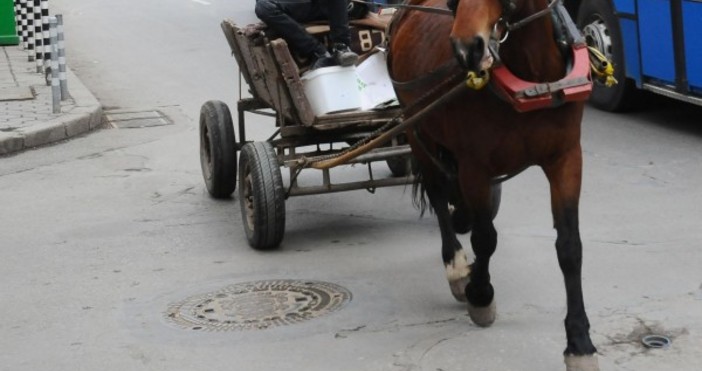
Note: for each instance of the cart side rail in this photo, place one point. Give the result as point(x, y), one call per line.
point(230, 30)
point(261, 69)
point(291, 76)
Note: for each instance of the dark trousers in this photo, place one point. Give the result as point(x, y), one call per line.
point(285, 16)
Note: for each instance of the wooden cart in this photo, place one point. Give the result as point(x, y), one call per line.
point(273, 78)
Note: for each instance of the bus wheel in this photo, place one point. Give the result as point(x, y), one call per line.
point(601, 29)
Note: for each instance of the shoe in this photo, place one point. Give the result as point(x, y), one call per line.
point(323, 60)
point(343, 55)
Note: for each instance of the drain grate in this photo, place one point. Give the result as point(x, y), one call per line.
point(135, 120)
point(258, 305)
point(656, 341)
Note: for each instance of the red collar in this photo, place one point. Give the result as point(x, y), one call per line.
point(529, 96)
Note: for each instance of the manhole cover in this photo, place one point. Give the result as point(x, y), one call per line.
point(258, 305)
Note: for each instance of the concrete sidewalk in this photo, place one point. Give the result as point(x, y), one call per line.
point(26, 118)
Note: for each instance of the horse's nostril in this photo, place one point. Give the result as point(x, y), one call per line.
point(469, 53)
point(478, 43)
point(477, 52)
point(460, 50)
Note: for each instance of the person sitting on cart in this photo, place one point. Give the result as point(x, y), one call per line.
point(284, 17)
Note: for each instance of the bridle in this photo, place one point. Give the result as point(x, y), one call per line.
point(505, 25)
point(508, 9)
point(447, 82)
point(501, 29)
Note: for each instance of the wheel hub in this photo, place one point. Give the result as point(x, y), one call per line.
point(205, 149)
point(248, 199)
point(597, 36)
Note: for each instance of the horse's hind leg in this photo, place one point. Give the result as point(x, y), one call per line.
point(480, 293)
point(565, 179)
point(437, 188)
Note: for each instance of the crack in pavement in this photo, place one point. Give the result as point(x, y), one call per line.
point(411, 357)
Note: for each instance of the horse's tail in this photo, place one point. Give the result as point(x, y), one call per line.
point(419, 192)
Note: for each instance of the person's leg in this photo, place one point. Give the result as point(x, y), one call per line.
point(283, 16)
point(336, 12)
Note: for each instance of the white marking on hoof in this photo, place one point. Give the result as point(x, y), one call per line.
point(483, 316)
point(458, 275)
point(582, 363)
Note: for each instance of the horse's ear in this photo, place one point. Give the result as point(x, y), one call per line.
point(452, 5)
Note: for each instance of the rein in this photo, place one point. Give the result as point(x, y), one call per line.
point(522, 95)
point(541, 13)
point(425, 105)
point(428, 9)
point(507, 6)
point(522, 100)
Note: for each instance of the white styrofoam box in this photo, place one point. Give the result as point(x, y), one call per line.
point(332, 89)
point(374, 82)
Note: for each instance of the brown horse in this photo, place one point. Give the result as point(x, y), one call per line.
point(478, 136)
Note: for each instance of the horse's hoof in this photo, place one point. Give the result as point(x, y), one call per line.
point(458, 289)
point(483, 316)
point(582, 363)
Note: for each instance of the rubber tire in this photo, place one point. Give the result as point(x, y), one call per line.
point(399, 166)
point(622, 96)
point(217, 149)
point(261, 196)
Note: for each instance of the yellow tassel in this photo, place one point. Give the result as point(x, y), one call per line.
point(602, 68)
point(477, 81)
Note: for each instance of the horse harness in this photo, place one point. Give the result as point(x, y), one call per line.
point(523, 96)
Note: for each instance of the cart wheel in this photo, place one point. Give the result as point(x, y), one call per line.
point(261, 195)
point(217, 149)
point(399, 166)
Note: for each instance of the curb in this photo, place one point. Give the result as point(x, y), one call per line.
point(85, 115)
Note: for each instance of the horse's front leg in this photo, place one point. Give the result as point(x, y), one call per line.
point(452, 254)
point(564, 177)
point(480, 293)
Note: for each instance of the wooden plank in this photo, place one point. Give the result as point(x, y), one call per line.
point(255, 68)
point(273, 77)
point(291, 77)
point(230, 30)
point(277, 88)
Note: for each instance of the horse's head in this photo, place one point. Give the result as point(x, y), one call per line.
point(476, 22)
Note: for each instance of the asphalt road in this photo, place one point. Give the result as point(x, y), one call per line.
point(101, 235)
